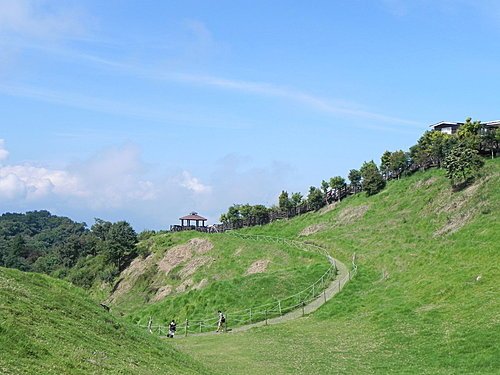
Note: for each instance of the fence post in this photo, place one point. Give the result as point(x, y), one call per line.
point(266, 317)
point(303, 306)
point(186, 328)
point(150, 323)
point(279, 307)
point(200, 326)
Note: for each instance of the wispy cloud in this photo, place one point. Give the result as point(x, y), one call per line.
point(36, 20)
point(3, 152)
point(115, 107)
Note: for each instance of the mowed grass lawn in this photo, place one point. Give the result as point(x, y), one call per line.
point(426, 299)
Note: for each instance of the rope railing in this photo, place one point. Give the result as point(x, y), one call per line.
point(320, 289)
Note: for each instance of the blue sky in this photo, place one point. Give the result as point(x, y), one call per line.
point(146, 110)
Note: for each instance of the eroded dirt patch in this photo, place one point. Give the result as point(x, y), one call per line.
point(351, 214)
point(425, 183)
point(130, 275)
point(311, 229)
point(455, 223)
point(193, 265)
point(203, 283)
point(200, 245)
point(184, 286)
point(259, 266)
point(162, 293)
point(174, 257)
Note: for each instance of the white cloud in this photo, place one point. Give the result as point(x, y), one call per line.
point(11, 187)
point(113, 185)
point(38, 19)
point(193, 184)
point(3, 152)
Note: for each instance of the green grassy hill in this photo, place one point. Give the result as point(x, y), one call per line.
point(48, 326)
point(192, 275)
point(426, 299)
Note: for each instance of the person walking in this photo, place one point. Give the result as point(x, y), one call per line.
point(171, 329)
point(221, 323)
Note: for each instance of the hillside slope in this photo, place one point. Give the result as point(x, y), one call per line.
point(191, 275)
point(426, 299)
point(48, 326)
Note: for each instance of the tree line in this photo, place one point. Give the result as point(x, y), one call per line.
point(38, 241)
point(460, 154)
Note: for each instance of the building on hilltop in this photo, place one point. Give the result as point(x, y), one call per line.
point(187, 222)
point(449, 127)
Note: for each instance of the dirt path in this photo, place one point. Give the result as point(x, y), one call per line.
point(343, 276)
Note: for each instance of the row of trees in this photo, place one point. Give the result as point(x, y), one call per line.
point(460, 155)
point(41, 242)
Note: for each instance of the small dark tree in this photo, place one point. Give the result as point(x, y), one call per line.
point(315, 198)
point(120, 245)
point(284, 201)
point(398, 162)
point(385, 162)
point(337, 183)
point(373, 182)
point(462, 164)
point(297, 199)
point(355, 179)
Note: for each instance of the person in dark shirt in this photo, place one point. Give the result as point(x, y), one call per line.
point(171, 329)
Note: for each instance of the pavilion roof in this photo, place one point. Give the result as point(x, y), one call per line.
point(192, 216)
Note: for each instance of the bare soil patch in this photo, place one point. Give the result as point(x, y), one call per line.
point(203, 283)
point(162, 293)
point(328, 208)
point(311, 229)
point(130, 275)
point(200, 245)
point(174, 257)
point(184, 286)
point(259, 266)
point(455, 223)
point(191, 267)
point(351, 214)
point(425, 183)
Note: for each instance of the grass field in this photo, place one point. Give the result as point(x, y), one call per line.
point(48, 326)
point(426, 299)
point(224, 262)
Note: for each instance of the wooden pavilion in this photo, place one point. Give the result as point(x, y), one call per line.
point(193, 221)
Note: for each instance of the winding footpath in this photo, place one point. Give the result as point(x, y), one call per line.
point(343, 276)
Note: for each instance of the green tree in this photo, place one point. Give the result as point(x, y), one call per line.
point(337, 183)
point(315, 198)
point(355, 179)
point(431, 148)
point(490, 139)
point(462, 164)
point(260, 214)
point(398, 162)
point(120, 244)
point(373, 182)
point(385, 162)
point(469, 133)
point(284, 201)
point(324, 189)
point(297, 199)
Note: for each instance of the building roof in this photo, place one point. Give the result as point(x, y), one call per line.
point(193, 216)
point(495, 123)
point(445, 123)
point(441, 124)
